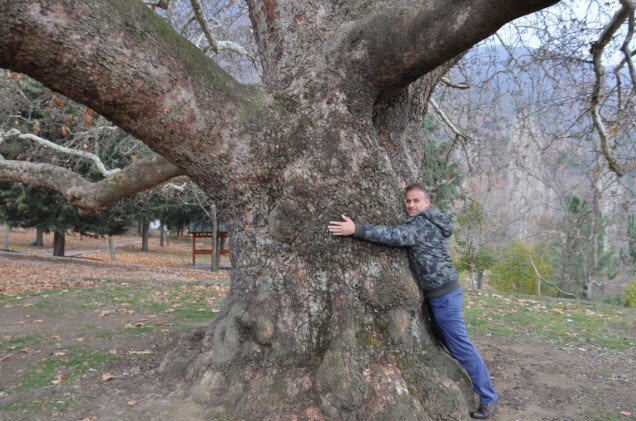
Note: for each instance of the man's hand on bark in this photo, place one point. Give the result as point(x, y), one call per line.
point(342, 228)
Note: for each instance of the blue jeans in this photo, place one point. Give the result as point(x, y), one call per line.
point(449, 328)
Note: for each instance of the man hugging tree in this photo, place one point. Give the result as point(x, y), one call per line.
point(425, 233)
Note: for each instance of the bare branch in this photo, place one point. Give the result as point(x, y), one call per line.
point(186, 24)
point(621, 63)
point(215, 45)
point(232, 46)
point(446, 81)
point(625, 49)
point(87, 155)
point(207, 31)
point(445, 118)
point(174, 186)
point(459, 136)
point(138, 176)
point(599, 71)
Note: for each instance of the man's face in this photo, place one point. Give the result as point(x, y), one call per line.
point(415, 202)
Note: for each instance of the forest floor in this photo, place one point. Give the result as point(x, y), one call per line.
point(82, 339)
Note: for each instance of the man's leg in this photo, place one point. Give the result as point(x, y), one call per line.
point(447, 311)
point(437, 331)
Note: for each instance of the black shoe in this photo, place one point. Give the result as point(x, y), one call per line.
point(485, 410)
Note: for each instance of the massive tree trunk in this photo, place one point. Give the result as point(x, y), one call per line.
point(313, 326)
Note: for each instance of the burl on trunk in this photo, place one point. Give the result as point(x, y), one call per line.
point(314, 326)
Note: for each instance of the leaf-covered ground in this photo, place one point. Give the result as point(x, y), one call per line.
point(91, 350)
point(34, 268)
point(174, 253)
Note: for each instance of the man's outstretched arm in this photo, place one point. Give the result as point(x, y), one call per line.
point(401, 236)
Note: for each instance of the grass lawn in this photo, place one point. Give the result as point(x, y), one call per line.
point(573, 323)
point(74, 336)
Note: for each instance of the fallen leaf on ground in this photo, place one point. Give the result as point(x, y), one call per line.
point(145, 351)
point(626, 413)
point(79, 339)
point(25, 349)
point(133, 402)
point(38, 321)
point(59, 378)
point(55, 337)
point(58, 354)
point(112, 351)
point(6, 357)
point(107, 376)
point(106, 313)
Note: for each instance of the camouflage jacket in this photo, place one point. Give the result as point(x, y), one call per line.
point(425, 236)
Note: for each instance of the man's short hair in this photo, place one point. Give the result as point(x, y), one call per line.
point(417, 186)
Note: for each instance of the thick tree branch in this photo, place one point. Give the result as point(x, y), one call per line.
point(138, 176)
point(397, 46)
point(125, 62)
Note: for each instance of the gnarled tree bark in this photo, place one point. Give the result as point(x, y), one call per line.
point(313, 326)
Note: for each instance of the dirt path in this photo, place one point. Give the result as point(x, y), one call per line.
point(540, 381)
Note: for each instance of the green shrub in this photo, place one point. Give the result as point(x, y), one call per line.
point(514, 270)
point(630, 294)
